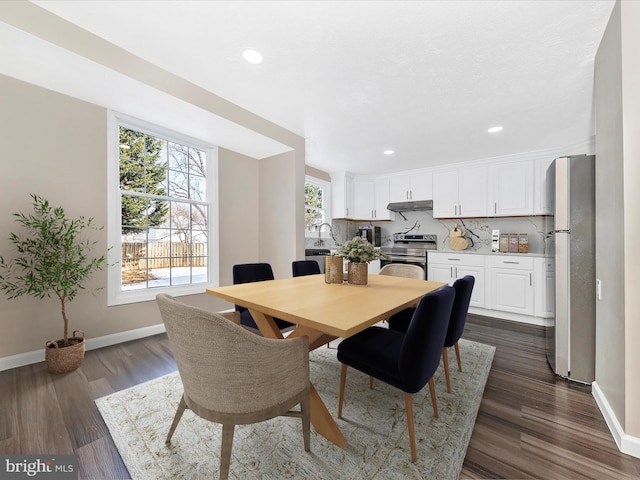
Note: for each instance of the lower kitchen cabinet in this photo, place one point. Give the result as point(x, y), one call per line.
point(514, 284)
point(448, 267)
point(512, 287)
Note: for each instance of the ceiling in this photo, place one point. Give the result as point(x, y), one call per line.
point(354, 78)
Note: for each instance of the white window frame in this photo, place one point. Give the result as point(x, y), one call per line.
point(115, 294)
point(326, 188)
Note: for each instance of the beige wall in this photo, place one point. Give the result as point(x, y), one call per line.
point(617, 212)
point(631, 142)
point(55, 146)
point(282, 211)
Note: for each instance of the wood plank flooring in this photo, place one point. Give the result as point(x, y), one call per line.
point(531, 424)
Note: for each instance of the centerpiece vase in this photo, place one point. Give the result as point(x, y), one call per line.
point(333, 269)
point(358, 273)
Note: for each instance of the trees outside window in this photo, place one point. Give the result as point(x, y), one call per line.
point(164, 211)
point(316, 203)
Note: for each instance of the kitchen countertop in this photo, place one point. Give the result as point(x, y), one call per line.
point(468, 252)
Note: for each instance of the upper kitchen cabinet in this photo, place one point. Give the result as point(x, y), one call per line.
point(410, 186)
point(342, 199)
point(371, 197)
point(460, 193)
point(543, 191)
point(511, 189)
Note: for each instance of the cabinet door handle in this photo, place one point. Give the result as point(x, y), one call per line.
point(407, 194)
point(460, 210)
point(410, 194)
point(451, 273)
point(453, 259)
point(495, 207)
point(513, 263)
point(530, 279)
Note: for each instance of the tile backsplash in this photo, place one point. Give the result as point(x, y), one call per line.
point(478, 230)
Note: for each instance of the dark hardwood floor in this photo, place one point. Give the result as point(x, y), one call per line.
point(531, 424)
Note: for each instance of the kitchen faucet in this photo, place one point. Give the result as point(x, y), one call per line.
point(320, 242)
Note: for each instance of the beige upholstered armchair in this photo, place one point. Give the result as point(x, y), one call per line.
point(232, 376)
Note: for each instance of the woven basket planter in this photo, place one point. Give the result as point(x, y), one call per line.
point(65, 359)
point(333, 266)
point(358, 273)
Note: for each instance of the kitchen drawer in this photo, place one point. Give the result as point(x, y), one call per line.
point(456, 259)
point(520, 263)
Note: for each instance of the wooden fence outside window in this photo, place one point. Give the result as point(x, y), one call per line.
point(140, 255)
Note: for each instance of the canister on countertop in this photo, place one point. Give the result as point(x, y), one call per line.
point(513, 243)
point(495, 240)
point(504, 242)
point(523, 243)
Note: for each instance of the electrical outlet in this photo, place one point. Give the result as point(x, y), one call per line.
point(598, 289)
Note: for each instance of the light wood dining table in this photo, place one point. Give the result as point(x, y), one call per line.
point(323, 312)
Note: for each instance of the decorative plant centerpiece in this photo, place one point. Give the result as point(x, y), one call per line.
point(358, 252)
point(52, 260)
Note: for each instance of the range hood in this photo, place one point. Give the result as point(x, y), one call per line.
point(411, 206)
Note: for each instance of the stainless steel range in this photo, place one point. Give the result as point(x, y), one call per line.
point(411, 249)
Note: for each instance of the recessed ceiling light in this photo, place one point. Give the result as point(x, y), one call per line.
point(495, 129)
point(252, 56)
point(388, 152)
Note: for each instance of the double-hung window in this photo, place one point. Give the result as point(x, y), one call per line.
point(317, 208)
point(162, 238)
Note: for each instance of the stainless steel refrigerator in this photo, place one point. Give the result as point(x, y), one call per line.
point(571, 338)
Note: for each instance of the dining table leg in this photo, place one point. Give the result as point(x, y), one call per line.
point(321, 418)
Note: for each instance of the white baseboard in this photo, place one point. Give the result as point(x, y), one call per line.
point(22, 359)
point(626, 443)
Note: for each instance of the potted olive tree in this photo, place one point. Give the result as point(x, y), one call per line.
point(52, 260)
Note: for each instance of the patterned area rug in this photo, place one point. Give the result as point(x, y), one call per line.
point(374, 424)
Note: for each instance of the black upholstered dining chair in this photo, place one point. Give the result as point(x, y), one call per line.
point(300, 268)
point(254, 272)
point(406, 361)
point(464, 288)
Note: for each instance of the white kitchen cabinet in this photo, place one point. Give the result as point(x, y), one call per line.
point(371, 197)
point(511, 189)
point(511, 284)
point(381, 200)
point(410, 186)
point(460, 193)
point(545, 287)
point(542, 188)
point(448, 267)
point(342, 195)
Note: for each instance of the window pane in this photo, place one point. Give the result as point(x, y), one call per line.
point(178, 184)
point(199, 215)
point(178, 157)
point(312, 218)
point(197, 187)
point(197, 162)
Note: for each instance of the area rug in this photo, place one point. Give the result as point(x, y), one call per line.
point(374, 424)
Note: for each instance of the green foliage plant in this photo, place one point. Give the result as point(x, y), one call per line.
point(52, 256)
point(358, 250)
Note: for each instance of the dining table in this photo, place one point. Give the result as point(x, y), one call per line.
point(323, 312)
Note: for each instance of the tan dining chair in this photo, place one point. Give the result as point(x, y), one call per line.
point(232, 376)
point(406, 270)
